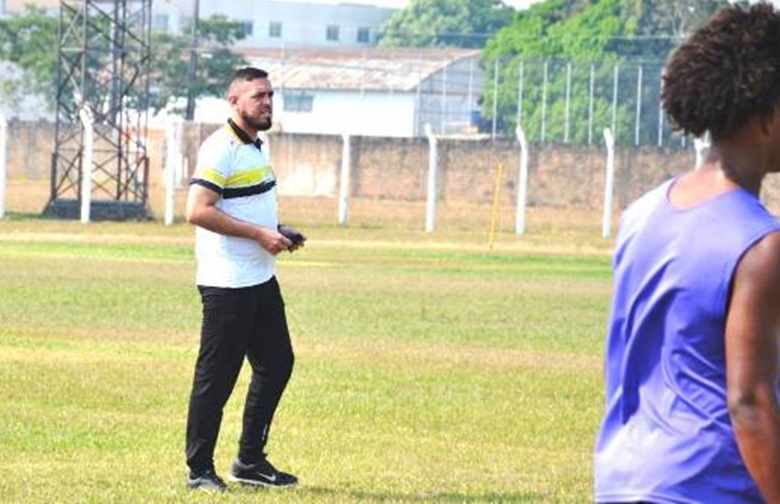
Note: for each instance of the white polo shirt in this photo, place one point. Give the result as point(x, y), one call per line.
point(231, 164)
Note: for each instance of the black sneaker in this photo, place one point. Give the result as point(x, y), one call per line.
point(207, 480)
point(260, 473)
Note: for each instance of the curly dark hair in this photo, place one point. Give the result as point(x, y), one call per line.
point(727, 72)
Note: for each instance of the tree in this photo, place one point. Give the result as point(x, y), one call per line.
point(574, 40)
point(170, 61)
point(26, 41)
point(682, 17)
point(453, 23)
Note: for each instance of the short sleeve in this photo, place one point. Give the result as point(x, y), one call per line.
point(213, 166)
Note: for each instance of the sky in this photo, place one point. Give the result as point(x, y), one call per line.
point(400, 4)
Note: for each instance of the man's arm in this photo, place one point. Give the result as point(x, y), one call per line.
point(201, 211)
point(752, 333)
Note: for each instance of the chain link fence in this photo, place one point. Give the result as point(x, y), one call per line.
point(572, 101)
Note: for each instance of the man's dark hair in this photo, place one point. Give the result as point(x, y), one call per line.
point(249, 74)
point(727, 72)
point(244, 75)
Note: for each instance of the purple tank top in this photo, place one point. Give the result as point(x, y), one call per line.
point(666, 435)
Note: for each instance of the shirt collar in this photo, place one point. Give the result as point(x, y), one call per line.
point(244, 136)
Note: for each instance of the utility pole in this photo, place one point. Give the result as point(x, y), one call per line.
point(190, 112)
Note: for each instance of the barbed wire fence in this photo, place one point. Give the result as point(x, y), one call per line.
point(570, 101)
point(555, 101)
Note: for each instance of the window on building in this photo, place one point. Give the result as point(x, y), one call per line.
point(364, 35)
point(298, 102)
point(248, 27)
point(275, 29)
point(332, 33)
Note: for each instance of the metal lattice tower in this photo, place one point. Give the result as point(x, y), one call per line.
point(104, 62)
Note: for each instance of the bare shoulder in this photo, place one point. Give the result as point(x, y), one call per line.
point(760, 266)
point(754, 314)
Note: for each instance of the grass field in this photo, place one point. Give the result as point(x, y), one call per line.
point(429, 369)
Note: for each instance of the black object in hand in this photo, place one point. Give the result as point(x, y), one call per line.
point(292, 234)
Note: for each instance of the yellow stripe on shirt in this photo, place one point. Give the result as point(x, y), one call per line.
point(250, 177)
point(210, 175)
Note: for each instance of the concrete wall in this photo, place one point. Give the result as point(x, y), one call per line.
point(559, 175)
point(397, 168)
point(30, 148)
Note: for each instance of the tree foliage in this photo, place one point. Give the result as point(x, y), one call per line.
point(27, 41)
point(452, 23)
point(216, 62)
point(585, 40)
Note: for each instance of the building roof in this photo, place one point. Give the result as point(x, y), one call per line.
point(365, 69)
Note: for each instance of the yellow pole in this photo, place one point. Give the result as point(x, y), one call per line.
point(496, 201)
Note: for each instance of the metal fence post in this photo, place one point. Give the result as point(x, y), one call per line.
point(87, 167)
point(522, 185)
point(543, 134)
point(3, 162)
point(495, 101)
point(567, 105)
point(590, 104)
point(520, 92)
point(637, 127)
point(614, 100)
point(346, 164)
point(433, 160)
point(609, 183)
point(173, 166)
point(660, 120)
point(443, 123)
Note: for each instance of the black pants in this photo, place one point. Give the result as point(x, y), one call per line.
point(241, 322)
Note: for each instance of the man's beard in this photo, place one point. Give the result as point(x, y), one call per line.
point(259, 125)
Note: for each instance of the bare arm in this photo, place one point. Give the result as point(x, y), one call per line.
point(201, 211)
point(752, 334)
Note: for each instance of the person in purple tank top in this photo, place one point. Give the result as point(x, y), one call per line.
point(692, 361)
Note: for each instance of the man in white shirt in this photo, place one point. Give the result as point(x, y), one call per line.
point(232, 201)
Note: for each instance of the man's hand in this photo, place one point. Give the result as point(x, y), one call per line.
point(296, 237)
point(273, 241)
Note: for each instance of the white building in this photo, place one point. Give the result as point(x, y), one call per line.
point(267, 23)
point(369, 92)
point(372, 92)
point(278, 23)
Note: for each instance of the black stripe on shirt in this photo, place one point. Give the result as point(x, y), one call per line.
point(208, 185)
point(238, 192)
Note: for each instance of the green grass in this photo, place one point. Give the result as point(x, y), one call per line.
point(429, 369)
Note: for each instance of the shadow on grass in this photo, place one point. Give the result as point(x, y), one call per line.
point(363, 496)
